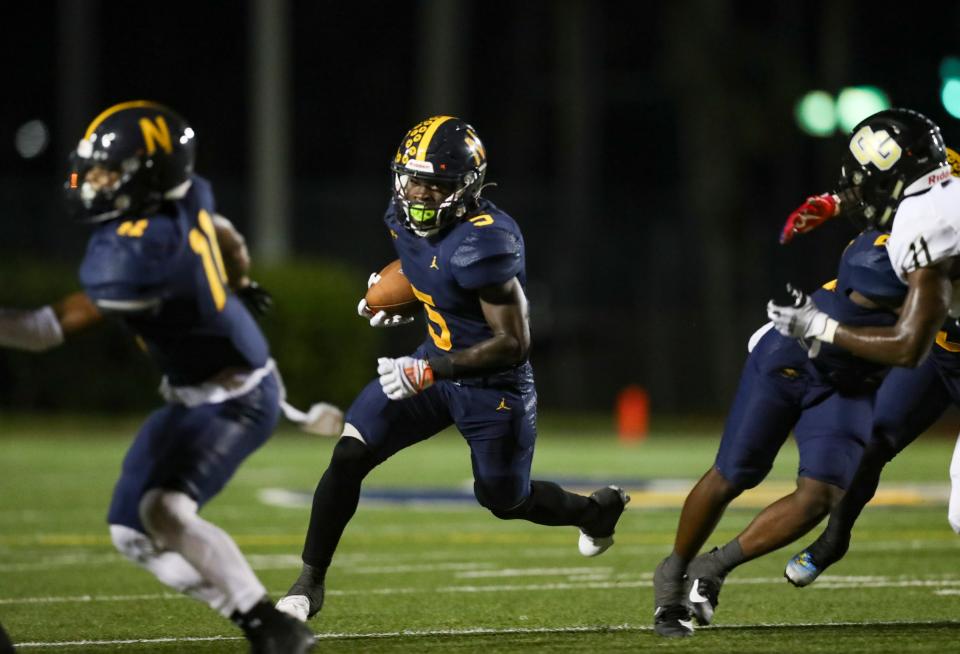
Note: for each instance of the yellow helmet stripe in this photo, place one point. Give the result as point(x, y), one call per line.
point(428, 135)
point(106, 113)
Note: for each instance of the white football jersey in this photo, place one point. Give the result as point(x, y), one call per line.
point(926, 230)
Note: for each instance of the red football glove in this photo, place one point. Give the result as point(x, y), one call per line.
point(808, 216)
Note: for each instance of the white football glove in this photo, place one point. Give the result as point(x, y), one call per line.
point(380, 318)
point(322, 418)
point(404, 377)
point(802, 319)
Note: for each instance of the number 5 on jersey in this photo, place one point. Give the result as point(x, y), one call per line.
point(204, 243)
point(441, 340)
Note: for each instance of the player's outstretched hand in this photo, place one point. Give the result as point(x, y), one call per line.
point(381, 318)
point(404, 377)
point(817, 210)
point(802, 318)
point(324, 419)
point(257, 299)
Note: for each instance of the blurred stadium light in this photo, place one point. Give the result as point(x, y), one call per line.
point(817, 114)
point(855, 103)
point(31, 139)
point(950, 85)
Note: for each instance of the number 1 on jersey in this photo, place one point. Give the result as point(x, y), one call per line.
point(205, 244)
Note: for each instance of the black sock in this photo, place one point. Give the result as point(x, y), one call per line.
point(335, 501)
point(673, 568)
point(729, 557)
point(832, 544)
point(548, 504)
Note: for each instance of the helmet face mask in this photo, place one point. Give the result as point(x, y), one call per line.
point(132, 157)
point(891, 155)
point(438, 174)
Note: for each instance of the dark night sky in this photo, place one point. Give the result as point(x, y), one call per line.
point(677, 91)
point(353, 74)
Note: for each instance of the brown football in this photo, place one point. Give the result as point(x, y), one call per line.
point(393, 293)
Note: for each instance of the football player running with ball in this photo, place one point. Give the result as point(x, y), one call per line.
point(465, 260)
point(898, 165)
point(154, 261)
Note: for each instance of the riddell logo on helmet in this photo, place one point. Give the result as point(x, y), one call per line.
point(939, 176)
point(420, 166)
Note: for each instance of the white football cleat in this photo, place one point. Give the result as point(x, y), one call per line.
point(296, 605)
point(590, 546)
point(612, 501)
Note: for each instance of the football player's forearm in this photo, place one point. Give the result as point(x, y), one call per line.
point(886, 345)
point(38, 330)
point(907, 342)
point(236, 256)
point(33, 330)
point(496, 354)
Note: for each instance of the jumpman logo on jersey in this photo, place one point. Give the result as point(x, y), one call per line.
point(503, 405)
point(433, 264)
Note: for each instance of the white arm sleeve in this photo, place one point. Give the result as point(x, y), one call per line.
point(34, 330)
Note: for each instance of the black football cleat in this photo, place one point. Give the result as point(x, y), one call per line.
point(673, 621)
point(704, 597)
point(704, 587)
point(305, 597)
point(302, 603)
point(597, 537)
point(6, 646)
point(273, 632)
point(283, 635)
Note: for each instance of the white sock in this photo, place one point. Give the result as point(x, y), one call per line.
point(169, 567)
point(171, 518)
point(953, 510)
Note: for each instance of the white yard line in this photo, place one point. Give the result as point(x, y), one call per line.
point(639, 581)
point(493, 631)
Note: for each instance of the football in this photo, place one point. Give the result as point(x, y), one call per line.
point(393, 293)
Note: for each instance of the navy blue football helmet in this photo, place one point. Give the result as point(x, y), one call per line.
point(890, 155)
point(447, 152)
point(140, 152)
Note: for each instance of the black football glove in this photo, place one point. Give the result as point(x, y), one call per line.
point(256, 298)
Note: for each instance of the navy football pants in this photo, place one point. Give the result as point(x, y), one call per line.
point(499, 426)
point(780, 390)
point(193, 450)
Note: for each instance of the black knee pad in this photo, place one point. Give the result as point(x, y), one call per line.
point(497, 509)
point(352, 457)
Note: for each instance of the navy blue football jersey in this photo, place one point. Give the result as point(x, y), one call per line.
point(164, 276)
point(448, 269)
point(864, 267)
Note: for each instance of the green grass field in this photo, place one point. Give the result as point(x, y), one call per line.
point(448, 577)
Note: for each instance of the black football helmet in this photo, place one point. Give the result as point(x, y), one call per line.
point(447, 152)
point(148, 151)
point(890, 155)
